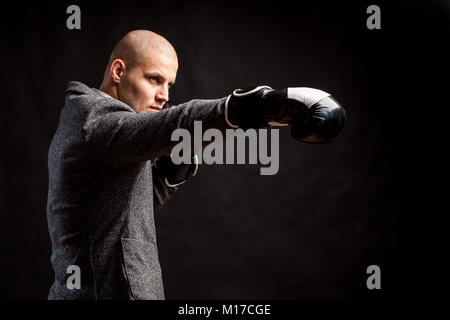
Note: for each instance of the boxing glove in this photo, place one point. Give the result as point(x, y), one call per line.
point(314, 116)
point(175, 174)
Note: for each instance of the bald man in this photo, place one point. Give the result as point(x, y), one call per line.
point(142, 69)
point(103, 188)
point(110, 170)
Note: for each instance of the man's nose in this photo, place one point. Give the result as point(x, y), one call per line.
point(162, 94)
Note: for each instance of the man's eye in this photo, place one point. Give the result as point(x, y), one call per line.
point(154, 79)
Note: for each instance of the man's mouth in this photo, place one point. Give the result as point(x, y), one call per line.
point(155, 108)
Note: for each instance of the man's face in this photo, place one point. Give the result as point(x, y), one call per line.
point(145, 87)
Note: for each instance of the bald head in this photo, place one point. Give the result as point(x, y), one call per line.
point(137, 45)
point(142, 68)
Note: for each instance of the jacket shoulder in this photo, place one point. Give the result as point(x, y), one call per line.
point(83, 97)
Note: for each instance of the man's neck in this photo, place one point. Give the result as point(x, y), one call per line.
point(109, 90)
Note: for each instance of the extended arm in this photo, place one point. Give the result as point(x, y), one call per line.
point(126, 136)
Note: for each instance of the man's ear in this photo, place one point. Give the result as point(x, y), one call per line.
point(117, 69)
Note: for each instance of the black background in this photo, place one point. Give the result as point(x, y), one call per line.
point(332, 210)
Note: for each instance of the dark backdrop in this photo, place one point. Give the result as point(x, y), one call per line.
point(229, 233)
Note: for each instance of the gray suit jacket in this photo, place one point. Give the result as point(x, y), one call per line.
point(103, 191)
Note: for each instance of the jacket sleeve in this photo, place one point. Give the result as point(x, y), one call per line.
point(161, 192)
point(167, 177)
point(126, 136)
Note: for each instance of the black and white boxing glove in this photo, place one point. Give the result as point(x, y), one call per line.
point(175, 174)
point(314, 115)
